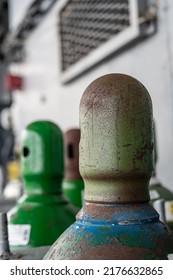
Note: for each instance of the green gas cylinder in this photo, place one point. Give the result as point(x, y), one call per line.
point(159, 194)
point(42, 213)
point(116, 162)
point(73, 184)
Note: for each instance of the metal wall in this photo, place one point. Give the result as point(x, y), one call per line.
point(44, 97)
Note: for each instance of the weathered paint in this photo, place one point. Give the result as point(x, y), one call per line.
point(125, 233)
point(116, 163)
point(73, 184)
point(116, 140)
point(42, 167)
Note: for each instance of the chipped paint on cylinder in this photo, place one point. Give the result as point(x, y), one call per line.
point(116, 139)
point(73, 184)
point(116, 162)
point(114, 231)
point(42, 207)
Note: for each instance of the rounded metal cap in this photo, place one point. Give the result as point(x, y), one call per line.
point(71, 140)
point(42, 156)
point(116, 143)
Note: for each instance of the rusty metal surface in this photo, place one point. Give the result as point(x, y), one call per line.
point(116, 139)
point(4, 244)
point(120, 214)
point(71, 140)
point(104, 231)
point(116, 162)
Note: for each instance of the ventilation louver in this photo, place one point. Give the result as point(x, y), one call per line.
point(92, 29)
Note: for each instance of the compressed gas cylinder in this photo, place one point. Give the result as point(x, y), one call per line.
point(73, 184)
point(116, 163)
point(161, 197)
point(42, 213)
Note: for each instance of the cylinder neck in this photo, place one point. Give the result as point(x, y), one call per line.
point(117, 214)
point(36, 185)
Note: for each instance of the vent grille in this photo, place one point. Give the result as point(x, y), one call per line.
point(85, 25)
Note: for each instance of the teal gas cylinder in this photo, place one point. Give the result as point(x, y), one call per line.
point(159, 194)
point(73, 184)
point(42, 213)
point(116, 162)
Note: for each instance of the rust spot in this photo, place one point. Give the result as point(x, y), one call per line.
point(126, 145)
point(26, 207)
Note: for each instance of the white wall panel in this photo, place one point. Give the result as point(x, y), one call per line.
point(150, 61)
